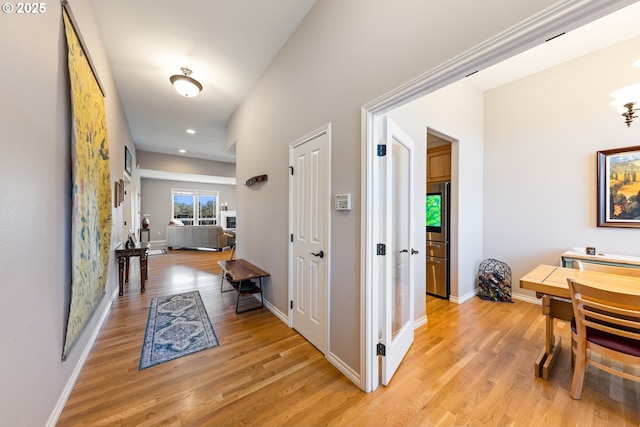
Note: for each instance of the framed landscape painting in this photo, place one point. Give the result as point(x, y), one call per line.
point(619, 187)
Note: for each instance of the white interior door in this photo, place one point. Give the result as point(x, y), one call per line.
point(396, 183)
point(309, 213)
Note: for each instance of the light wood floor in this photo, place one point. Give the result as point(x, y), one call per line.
point(472, 364)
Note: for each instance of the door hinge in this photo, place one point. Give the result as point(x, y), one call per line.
point(381, 350)
point(382, 150)
point(291, 304)
point(381, 249)
point(291, 237)
point(291, 168)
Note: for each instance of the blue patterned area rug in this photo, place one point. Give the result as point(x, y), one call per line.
point(178, 325)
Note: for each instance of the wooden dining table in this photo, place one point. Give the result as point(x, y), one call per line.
point(550, 284)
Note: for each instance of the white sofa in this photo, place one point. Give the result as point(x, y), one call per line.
point(198, 236)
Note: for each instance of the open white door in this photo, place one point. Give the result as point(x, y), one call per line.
point(396, 184)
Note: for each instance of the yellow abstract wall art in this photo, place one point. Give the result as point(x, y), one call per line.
point(91, 190)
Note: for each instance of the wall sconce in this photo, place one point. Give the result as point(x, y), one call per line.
point(185, 85)
point(627, 102)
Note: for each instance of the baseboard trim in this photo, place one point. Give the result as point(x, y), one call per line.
point(272, 308)
point(62, 401)
point(420, 322)
point(465, 297)
point(344, 368)
point(516, 296)
point(527, 298)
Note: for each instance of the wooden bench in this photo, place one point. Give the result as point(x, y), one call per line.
point(240, 274)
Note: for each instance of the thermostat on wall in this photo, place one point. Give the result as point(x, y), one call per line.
point(343, 202)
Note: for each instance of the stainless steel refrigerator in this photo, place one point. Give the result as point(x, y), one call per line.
point(437, 253)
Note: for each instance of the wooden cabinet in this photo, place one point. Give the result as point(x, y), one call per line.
point(439, 163)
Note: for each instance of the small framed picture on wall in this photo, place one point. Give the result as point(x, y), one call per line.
point(116, 194)
point(127, 160)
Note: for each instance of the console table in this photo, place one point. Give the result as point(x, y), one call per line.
point(628, 261)
point(239, 273)
point(140, 250)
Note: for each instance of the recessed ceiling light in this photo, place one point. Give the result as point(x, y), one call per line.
point(637, 63)
point(182, 151)
point(191, 131)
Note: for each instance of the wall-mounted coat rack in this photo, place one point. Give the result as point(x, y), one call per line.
point(253, 180)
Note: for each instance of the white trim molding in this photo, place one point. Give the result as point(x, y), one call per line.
point(344, 368)
point(420, 322)
point(273, 309)
point(62, 400)
point(186, 177)
point(526, 298)
point(463, 298)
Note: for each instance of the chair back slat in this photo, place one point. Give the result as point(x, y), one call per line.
point(629, 319)
point(610, 306)
point(607, 310)
point(612, 330)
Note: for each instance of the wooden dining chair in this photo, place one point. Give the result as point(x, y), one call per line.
point(606, 323)
point(601, 268)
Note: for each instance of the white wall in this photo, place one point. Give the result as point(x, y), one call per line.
point(542, 135)
point(343, 55)
point(184, 164)
point(35, 207)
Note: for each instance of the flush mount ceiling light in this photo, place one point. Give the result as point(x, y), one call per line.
point(185, 85)
point(627, 102)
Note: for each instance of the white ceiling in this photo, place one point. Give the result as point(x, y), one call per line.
point(606, 31)
point(229, 44)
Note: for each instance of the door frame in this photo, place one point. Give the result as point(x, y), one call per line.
point(561, 17)
point(326, 129)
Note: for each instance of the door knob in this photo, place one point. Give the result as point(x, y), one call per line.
point(404, 250)
point(319, 254)
point(413, 251)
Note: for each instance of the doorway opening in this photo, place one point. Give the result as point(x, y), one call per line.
point(439, 243)
point(563, 17)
